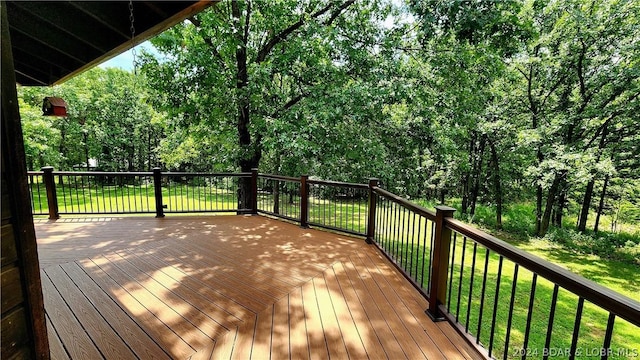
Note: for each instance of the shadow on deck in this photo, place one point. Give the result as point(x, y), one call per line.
point(228, 287)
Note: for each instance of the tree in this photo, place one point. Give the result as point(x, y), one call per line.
point(578, 80)
point(244, 66)
point(108, 120)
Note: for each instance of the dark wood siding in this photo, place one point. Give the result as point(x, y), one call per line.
point(24, 333)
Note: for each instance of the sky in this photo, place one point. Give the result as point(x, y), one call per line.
point(125, 60)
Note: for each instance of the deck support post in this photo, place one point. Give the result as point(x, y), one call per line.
point(157, 187)
point(440, 262)
point(304, 201)
point(254, 191)
point(52, 197)
point(371, 224)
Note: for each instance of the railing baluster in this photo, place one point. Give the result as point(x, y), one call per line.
point(412, 237)
point(576, 329)
point(482, 293)
point(464, 252)
point(104, 200)
point(473, 273)
point(510, 317)
point(606, 345)
point(495, 305)
point(452, 262)
point(527, 330)
point(552, 313)
point(424, 253)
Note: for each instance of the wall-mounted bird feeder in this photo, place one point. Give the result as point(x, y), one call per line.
point(54, 106)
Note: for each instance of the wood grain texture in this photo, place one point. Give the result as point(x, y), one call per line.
point(77, 342)
point(56, 348)
point(8, 252)
point(11, 288)
point(238, 287)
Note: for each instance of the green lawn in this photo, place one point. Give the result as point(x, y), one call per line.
point(135, 198)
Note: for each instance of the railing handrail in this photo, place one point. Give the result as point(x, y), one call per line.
point(141, 173)
point(279, 177)
point(220, 174)
point(605, 298)
point(338, 183)
point(406, 203)
point(104, 173)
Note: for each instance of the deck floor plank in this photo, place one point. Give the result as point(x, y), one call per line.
point(222, 287)
point(161, 303)
point(137, 339)
point(299, 344)
point(153, 326)
point(408, 327)
point(228, 308)
point(244, 340)
point(78, 344)
point(414, 303)
point(332, 332)
point(202, 270)
point(190, 305)
point(56, 349)
point(315, 331)
point(106, 339)
point(379, 323)
point(280, 334)
point(344, 316)
point(210, 303)
point(264, 335)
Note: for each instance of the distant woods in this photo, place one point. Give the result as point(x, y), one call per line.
point(491, 102)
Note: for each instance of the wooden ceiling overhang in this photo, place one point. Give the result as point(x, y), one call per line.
point(53, 41)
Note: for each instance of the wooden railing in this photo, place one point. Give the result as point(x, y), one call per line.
point(504, 301)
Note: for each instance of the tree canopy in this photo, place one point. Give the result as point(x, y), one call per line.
point(488, 102)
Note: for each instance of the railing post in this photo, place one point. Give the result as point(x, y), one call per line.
point(371, 224)
point(254, 191)
point(304, 201)
point(52, 197)
point(157, 187)
point(440, 262)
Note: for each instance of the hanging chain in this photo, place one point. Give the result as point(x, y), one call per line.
point(133, 34)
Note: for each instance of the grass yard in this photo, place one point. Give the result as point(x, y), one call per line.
point(139, 198)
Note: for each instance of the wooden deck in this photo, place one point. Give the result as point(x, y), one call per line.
point(225, 287)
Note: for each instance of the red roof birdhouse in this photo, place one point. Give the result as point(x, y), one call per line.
point(54, 106)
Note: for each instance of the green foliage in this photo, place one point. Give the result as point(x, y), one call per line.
point(622, 247)
point(108, 121)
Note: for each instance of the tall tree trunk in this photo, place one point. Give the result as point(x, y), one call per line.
point(250, 155)
point(276, 196)
point(497, 186)
point(603, 194)
point(586, 204)
point(588, 193)
point(551, 199)
point(465, 193)
point(539, 198)
point(561, 200)
point(467, 179)
point(477, 171)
